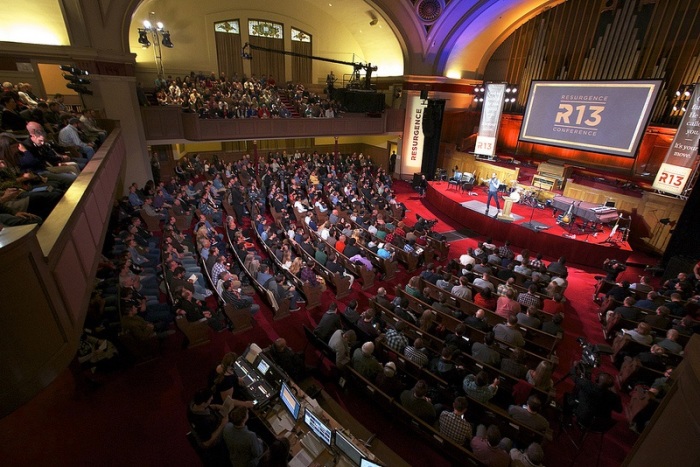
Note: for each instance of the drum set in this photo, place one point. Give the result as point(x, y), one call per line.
point(527, 197)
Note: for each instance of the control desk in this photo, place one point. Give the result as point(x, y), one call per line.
point(314, 436)
point(287, 411)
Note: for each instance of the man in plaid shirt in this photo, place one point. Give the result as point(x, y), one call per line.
point(530, 297)
point(416, 353)
point(453, 425)
point(395, 338)
point(537, 263)
point(505, 250)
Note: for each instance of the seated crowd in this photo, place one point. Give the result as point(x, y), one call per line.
point(242, 97)
point(42, 150)
point(462, 332)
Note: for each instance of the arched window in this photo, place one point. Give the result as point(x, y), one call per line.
point(270, 36)
point(228, 48)
point(301, 67)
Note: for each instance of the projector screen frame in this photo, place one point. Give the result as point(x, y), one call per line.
point(633, 134)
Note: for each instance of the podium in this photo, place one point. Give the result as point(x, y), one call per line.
point(507, 207)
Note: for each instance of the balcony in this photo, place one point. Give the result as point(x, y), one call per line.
point(169, 123)
point(48, 275)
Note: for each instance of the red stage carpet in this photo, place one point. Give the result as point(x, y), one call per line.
point(585, 249)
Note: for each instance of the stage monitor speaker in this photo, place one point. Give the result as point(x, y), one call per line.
point(424, 94)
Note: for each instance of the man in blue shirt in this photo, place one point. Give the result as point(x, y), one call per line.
point(494, 183)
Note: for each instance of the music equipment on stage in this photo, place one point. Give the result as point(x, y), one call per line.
point(590, 212)
point(553, 175)
point(545, 182)
point(611, 238)
point(567, 218)
point(514, 195)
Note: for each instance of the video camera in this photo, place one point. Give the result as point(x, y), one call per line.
point(590, 356)
point(423, 223)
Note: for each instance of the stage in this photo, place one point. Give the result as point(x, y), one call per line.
point(586, 249)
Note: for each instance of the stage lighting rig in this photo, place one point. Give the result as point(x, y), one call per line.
point(154, 33)
point(76, 77)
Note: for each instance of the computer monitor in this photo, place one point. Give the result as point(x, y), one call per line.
point(263, 366)
point(317, 427)
point(346, 446)
point(289, 401)
point(610, 204)
point(368, 463)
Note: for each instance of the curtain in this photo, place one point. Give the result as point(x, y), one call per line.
point(267, 63)
point(301, 67)
point(228, 54)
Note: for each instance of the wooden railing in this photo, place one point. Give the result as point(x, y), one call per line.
point(48, 275)
point(170, 123)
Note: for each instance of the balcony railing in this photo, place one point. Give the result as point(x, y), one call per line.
point(170, 123)
point(48, 275)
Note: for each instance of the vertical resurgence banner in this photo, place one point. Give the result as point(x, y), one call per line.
point(680, 158)
point(413, 138)
point(490, 119)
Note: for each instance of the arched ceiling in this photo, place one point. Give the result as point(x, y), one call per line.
point(458, 43)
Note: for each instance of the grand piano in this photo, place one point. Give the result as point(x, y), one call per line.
point(590, 212)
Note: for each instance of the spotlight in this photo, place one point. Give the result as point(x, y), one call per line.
point(143, 38)
point(76, 79)
point(147, 24)
point(687, 93)
point(507, 90)
point(159, 25)
point(678, 93)
point(166, 40)
point(72, 70)
point(514, 90)
point(675, 108)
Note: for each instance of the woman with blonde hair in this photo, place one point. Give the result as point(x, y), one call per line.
point(541, 377)
point(287, 259)
point(296, 266)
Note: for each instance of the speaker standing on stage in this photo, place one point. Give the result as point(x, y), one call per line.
point(494, 183)
point(392, 162)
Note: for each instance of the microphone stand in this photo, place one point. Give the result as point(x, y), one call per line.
point(529, 224)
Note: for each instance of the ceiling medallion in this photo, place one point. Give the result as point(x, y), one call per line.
point(429, 10)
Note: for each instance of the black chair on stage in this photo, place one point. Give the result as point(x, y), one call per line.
point(467, 183)
point(455, 181)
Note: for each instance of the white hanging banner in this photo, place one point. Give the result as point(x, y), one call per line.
point(680, 158)
point(413, 138)
point(490, 119)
